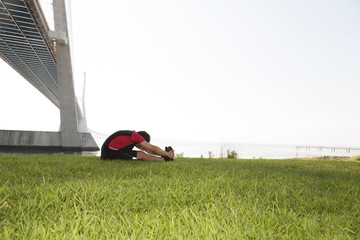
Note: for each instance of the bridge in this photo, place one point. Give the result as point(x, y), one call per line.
point(332, 149)
point(42, 57)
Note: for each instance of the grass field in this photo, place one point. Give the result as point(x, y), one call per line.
point(74, 197)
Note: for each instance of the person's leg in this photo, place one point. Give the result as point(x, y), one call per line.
point(146, 157)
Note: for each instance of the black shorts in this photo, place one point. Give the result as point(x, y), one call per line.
point(123, 153)
point(118, 154)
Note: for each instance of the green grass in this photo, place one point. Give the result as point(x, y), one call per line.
point(74, 197)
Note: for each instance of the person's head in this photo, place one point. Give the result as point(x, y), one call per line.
point(145, 135)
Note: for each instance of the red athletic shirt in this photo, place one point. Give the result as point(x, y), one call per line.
point(124, 141)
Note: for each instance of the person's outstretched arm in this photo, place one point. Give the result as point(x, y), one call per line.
point(152, 149)
point(145, 150)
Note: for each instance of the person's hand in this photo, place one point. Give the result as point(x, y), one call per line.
point(171, 154)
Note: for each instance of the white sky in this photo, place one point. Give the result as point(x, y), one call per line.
point(277, 72)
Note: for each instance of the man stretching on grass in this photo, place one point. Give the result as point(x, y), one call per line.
point(120, 146)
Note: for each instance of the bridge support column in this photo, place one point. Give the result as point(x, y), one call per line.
point(70, 135)
point(69, 123)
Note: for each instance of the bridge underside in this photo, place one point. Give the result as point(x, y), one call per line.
point(26, 46)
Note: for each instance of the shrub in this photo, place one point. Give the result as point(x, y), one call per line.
point(232, 154)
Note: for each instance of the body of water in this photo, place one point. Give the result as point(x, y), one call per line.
point(204, 149)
